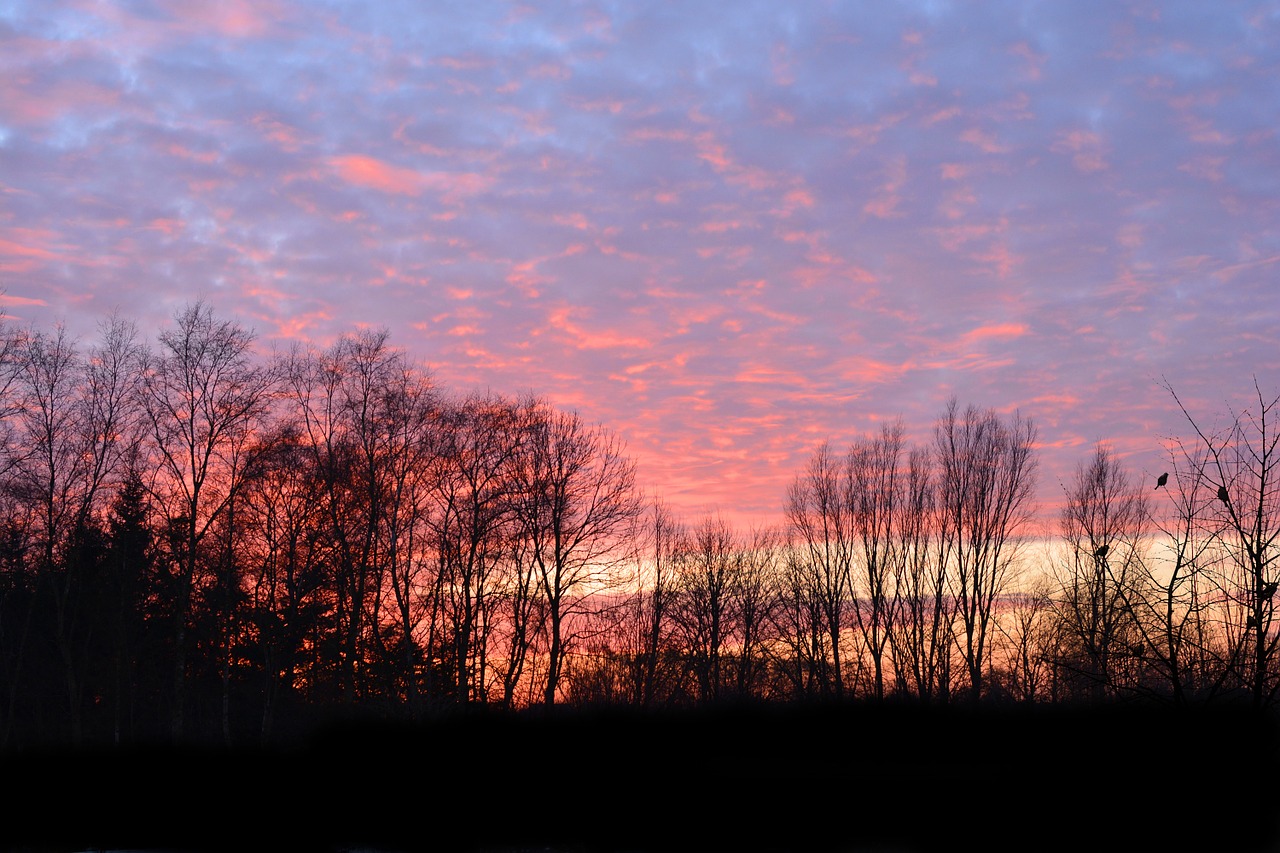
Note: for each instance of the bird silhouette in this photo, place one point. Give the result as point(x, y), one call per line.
point(1269, 589)
point(1136, 650)
point(1164, 478)
point(1222, 494)
point(1102, 550)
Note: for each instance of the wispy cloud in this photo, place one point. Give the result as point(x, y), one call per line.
point(727, 240)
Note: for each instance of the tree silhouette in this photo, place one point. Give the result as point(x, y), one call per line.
point(821, 525)
point(1104, 505)
point(986, 477)
point(577, 505)
point(203, 397)
point(1244, 459)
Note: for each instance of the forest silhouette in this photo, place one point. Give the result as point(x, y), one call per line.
point(313, 599)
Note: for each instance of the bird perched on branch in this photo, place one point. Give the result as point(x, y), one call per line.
point(1162, 479)
point(1268, 590)
point(1102, 550)
point(1222, 494)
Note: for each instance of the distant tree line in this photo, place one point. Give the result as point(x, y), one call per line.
point(202, 542)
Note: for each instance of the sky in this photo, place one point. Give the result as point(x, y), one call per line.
point(727, 232)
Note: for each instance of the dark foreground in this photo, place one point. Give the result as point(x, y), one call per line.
point(863, 778)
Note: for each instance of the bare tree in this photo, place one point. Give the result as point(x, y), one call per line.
point(759, 565)
point(341, 395)
point(520, 607)
point(1242, 461)
point(1102, 526)
point(1033, 638)
point(799, 638)
point(471, 521)
point(647, 625)
point(288, 561)
point(986, 479)
point(1172, 597)
point(203, 397)
point(577, 504)
point(706, 612)
point(821, 525)
point(875, 494)
point(923, 636)
point(75, 422)
point(410, 420)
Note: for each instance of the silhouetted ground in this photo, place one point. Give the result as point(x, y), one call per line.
point(885, 778)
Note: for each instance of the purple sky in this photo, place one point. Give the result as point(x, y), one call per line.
point(728, 231)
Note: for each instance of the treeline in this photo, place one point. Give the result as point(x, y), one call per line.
point(203, 543)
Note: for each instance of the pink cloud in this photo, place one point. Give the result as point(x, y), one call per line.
point(781, 65)
point(1001, 257)
point(613, 106)
point(997, 330)
point(983, 140)
point(954, 237)
point(719, 227)
point(885, 204)
point(793, 201)
point(469, 62)
point(298, 326)
point(273, 130)
point(572, 220)
point(563, 319)
point(229, 18)
point(1228, 272)
point(1033, 69)
point(26, 249)
point(29, 101)
point(651, 134)
point(942, 115)
point(716, 153)
point(1204, 167)
point(8, 300)
point(372, 173)
point(1085, 147)
point(869, 370)
point(956, 204)
point(375, 174)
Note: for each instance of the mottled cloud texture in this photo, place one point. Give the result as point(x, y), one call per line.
point(727, 231)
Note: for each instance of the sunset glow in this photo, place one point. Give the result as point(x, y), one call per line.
point(726, 233)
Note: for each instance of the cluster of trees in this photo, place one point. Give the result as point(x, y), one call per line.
point(198, 540)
